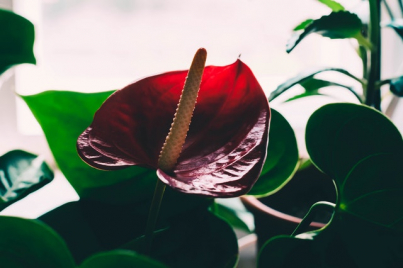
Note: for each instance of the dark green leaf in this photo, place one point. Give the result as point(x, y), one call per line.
point(373, 190)
point(63, 115)
point(17, 40)
point(303, 25)
point(340, 135)
point(232, 211)
point(29, 243)
point(121, 259)
point(337, 25)
point(282, 157)
point(305, 76)
point(335, 6)
point(396, 86)
point(396, 25)
point(196, 239)
point(21, 173)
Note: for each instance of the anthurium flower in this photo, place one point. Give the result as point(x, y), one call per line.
point(226, 145)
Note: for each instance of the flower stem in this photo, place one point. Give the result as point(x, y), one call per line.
point(176, 138)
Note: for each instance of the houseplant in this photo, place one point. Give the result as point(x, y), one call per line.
point(113, 208)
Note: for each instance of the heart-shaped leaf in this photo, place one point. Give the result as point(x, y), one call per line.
point(52, 107)
point(121, 259)
point(396, 86)
point(28, 243)
point(340, 135)
point(282, 157)
point(17, 40)
point(21, 173)
point(337, 25)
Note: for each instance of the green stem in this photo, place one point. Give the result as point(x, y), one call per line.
point(306, 221)
point(401, 6)
point(153, 215)
point(388, 9)
point(372, 94)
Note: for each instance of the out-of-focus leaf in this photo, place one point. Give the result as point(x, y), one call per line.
point(396, 86)
point(337, 25)
point(17, 40)
point(282, 157)
point(312, 87)
point(21, 173)
point(121, 259)
point(303, 25)
point(340, 135)
point(305, 76)
point(335, 6)
point(28, 243)
point(195, 239)
point(63, 115)
point(396, 25)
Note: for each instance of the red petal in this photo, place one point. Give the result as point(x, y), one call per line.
point(226, 145)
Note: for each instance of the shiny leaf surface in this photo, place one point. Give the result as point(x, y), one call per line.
point(29, 243)
point(282, 157)
point(227, 140)
point(21, 173)
point(337, 25)
point(16, 40)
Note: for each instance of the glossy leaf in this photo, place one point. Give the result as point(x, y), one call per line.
point(307, 75)
point(195, 239)
point(121, 259)
point(21, 173)
point(312, 87)
point(303, 25)
point(335, 6)
point(337, 25)
point(52, 107)
point(29, 243)
point(17, 40)
point(340, 135)
point(396, 25)
point(282, 157)
point(226, 144)
point(396, 86)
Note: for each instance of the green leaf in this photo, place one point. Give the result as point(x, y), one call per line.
point(396, 25)
point(63, 115)
point(373, 190)
point(337, 25)
point(305, 76)
point(340, 135)
point(21, 173)
point(28, 243)
point(335, 6)
point(303, 25)
point(121, 259)
point(232, 211)
point(396, 86)
point(17, 40)
point(195, 239)
point(312, 87)
point(282, 157)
